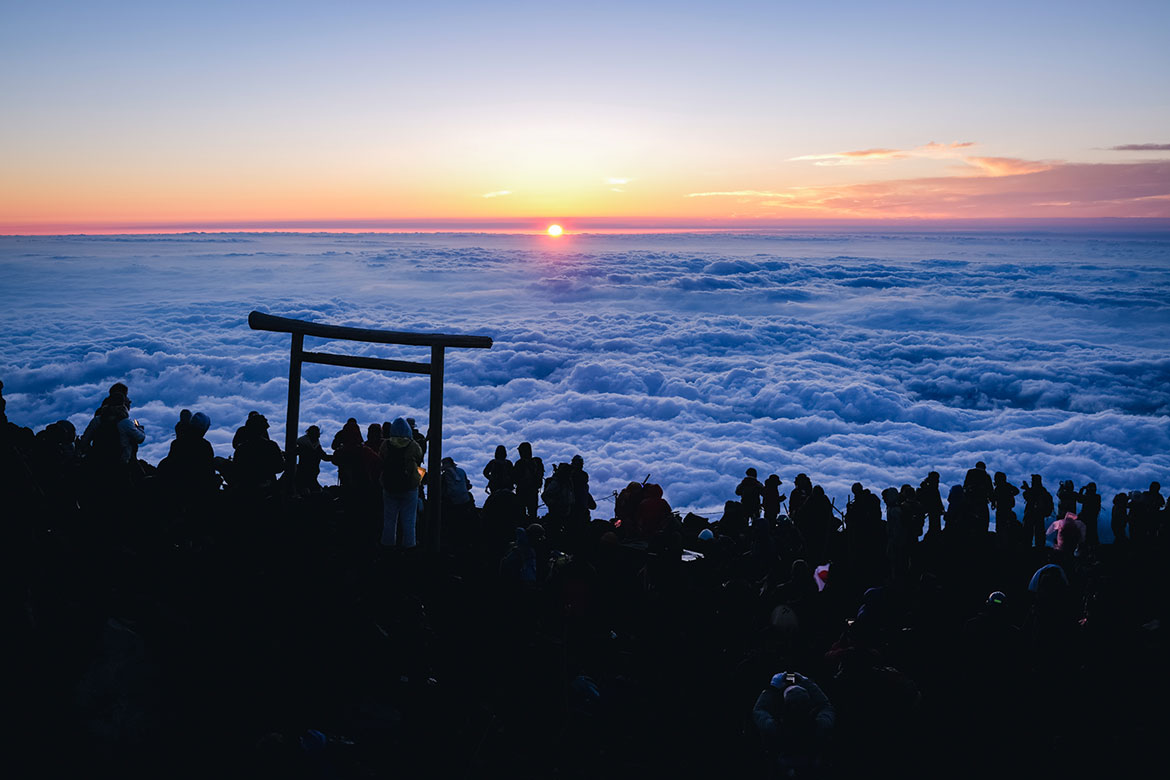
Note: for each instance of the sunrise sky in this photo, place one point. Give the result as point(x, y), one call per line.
point(128, 116)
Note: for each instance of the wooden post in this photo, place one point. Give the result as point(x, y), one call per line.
point(293, 419)
point(435, 452)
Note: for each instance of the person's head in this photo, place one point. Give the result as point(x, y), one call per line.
point(996, 600)
point(536, 533)
point(374, 432)
point(1091, 488)
point(400, 428)
point(578, 462)
point(891, 496)
point(981, 466)
point(751, 473)
point(448, 462)
point(1000, 478)
point(119, 387)
point(1036, 480)
point(313, 432)
point(857, 488)
point(933, 477)
point(525, 449)
point(410, 422)
point(803, 480)
point(200, 422)
point(706, 535)
point(501, 452)
point(1155, 487)
point(117, 401)
point(818, 491)
point(772, 480)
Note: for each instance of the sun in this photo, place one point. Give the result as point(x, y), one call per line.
point(555, 230)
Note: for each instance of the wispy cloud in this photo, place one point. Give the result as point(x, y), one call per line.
point(1141, 148)
point(741, 194)
point(1003, 166)
point(999, 188)
point(496, 194)
point(860, 156)
point(618, 181)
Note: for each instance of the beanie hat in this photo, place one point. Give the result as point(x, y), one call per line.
point(200, 422)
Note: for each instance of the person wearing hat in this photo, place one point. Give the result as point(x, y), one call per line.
point(795, 721)
point(751, 494)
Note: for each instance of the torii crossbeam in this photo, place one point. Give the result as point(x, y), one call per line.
point(438, 342)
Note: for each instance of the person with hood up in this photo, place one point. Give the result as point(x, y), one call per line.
point(529, 476)
point(401, 477)
point(189, 467)
point(499, 472)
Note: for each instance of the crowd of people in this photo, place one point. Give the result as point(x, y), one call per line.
point(205, 614)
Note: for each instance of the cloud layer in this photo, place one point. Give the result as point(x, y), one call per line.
point(860, 356)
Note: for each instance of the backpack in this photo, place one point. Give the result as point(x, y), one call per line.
point(558, 493)
point(107, 442)
point(398, 474)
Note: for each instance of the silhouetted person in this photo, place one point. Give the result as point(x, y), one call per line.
point(931, 501)
point(420, 438)
point(242, 432)
point(111, 443)
point(583, 501)
point(1090, 501)
point(1143, 513)
point(558, 497)
point(900, 534)
point(499, 472)
point(529, 476)
point(625, 508)
point(978, 490)
point(751, 494)
point(1119, 518)
point(1066, 498)
point(773, 498)
point(374, 437)
point(816, 522)
point(189, 467)
point(401, 457)
point(801, 490)
point(653, 512)
point(310, 453)
point(257, 459)
point(1004, 500)
point(795, 720)
point(458, 505)
point(1037, 509)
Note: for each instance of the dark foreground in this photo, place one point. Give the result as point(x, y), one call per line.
point(267, 636)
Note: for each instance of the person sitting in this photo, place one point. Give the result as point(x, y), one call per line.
point(189, 467)
point(795, 720)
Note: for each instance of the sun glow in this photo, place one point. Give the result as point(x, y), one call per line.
point(555, 230)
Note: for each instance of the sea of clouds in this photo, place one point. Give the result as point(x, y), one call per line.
point(874, 357)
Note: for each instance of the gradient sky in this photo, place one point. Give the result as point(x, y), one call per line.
point(137, 115)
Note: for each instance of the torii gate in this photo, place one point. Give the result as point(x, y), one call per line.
point(438, 342)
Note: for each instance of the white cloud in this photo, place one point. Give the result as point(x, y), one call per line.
point(873, 357)
point(496, 194)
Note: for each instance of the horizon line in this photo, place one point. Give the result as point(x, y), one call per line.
point(534, 225)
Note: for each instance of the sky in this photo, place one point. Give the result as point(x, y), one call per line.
point(136, 116)
point(847, 355)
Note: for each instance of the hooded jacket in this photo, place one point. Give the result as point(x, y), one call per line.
point(401, 457)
